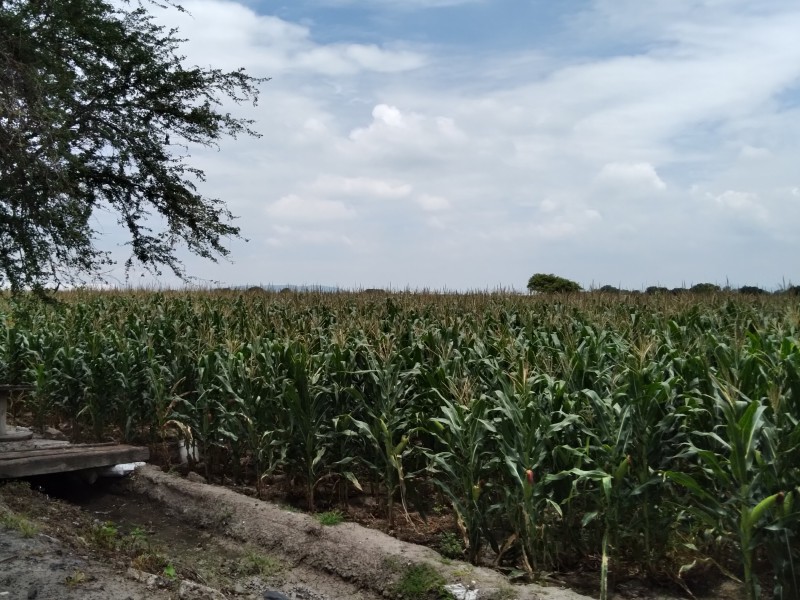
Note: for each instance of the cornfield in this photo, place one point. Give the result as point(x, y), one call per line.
point(655, 433)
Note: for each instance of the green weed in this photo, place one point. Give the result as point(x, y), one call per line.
point(24, 526)
point(422, 582)
point(331, 517)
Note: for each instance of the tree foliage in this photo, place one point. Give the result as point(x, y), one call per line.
point(97, 112)
point(609, 289)
point(705, 288)
point(656, 289)
point(752, 290)
point(551, 284)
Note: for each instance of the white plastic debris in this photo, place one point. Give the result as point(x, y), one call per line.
point(188, 450)
point(120, 470)
point(461, 592)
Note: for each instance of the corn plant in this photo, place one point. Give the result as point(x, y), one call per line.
point(383, 421)
point(528, 422)
point(730, 495)
point(654, 420)
point(462, 468)
point(609, 484)
point(307, 413)
point(259, 384)
point(207, 414)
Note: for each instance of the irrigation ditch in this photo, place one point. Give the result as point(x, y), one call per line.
point(159, 535)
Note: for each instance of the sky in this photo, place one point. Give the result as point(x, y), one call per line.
point(468, 144)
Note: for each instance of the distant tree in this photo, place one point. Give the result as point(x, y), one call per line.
point(793, 290)
point(543, 283)
point(609, 289)
point(677, 291)
point(655, 289)
point(704, 288)
point(751, 290)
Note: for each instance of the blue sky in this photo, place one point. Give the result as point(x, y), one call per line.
point(467, 144)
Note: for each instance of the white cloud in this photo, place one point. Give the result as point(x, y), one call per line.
point(348, 59)
point(229, 35)
point(393, 132)
point(297, 208)
point(431, 203)
point(754, 152)
point(744, 203)
point(548, 205)
point(404, 5)
point(365, 187)
point(631, 176)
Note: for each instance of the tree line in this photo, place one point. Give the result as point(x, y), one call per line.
point(548, 283)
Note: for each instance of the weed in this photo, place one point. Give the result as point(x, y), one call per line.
point(170, 572)
point(11, 520)
point(104, 535)
point(506, 592)
point(149, 561)
point(137, 542)
point(392, 564)
point(255, 563)
point(463, 572)
point(223, 519)
point(421, 582)
point(450, 545)
point(78, 577)
point(331, 517)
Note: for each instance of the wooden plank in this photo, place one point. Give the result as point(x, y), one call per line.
point(13, 465)
point(63, 449)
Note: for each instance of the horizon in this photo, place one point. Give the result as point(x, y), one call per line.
point(153, 287)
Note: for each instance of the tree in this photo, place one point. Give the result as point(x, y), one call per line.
point(551, 284)
point(654, 290)
point(752, 290)
point(97, 112)
point(705, 288)
point(609, 289)
point(792, 290)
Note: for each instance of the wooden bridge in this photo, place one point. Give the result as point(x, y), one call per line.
point(24, 455)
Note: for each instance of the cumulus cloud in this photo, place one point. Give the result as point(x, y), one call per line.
point(393, 132)
point(636, 177)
